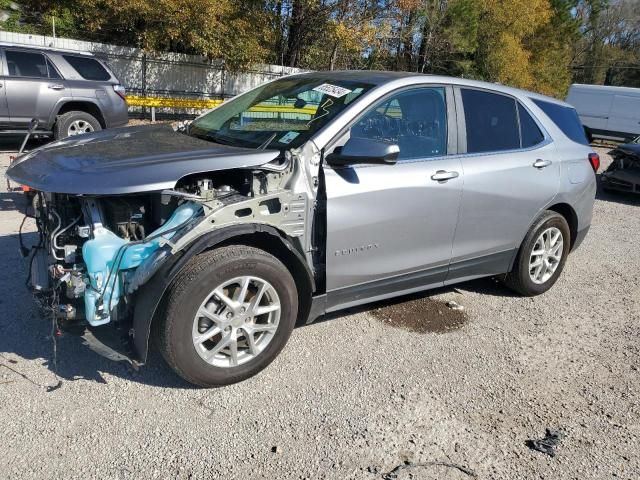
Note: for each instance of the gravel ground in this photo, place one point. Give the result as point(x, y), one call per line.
point(357, 395)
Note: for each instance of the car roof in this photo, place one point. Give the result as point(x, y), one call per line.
point(45, 48)
point(382, 77)
point(605, 88)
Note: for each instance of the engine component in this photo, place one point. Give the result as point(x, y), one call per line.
point(106, 255)
point(126, 217)
point(39, 279)
point(66, 312)
point(75, 285)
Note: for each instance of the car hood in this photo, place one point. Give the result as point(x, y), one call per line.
point(127, 160)
point(632, 149)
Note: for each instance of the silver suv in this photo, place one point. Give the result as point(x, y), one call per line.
point(68, 92)
point(306, 195)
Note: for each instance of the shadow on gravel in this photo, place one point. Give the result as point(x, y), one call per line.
point(12, 201)
point(11, 143)
point(25, 334)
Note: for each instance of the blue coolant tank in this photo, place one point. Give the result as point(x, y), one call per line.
point(106, 249)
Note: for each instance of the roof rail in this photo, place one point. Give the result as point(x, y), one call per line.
point(44, 47)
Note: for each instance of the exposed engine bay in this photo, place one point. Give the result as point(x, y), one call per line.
point(95, 252)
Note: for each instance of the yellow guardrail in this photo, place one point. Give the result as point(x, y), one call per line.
point(159, 102)
point(167, 102)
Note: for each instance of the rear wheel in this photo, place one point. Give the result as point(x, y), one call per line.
point(75, 123)
point(229, 314)
point(542, 256)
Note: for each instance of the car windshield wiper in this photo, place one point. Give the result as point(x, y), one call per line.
point(212, 137)
point(266, 143)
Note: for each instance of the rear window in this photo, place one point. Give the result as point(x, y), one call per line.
point(566, 119)
point(492, 122)
point(88, 68)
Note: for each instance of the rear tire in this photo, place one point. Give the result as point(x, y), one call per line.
point(75, 123)
point(530, 278)
point(197, 303)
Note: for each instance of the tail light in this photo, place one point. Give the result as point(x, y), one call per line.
point(120, 90)
point(594, 160)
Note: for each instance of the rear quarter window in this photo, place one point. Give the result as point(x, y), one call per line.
point(88, 68)
point(530, 134)
point(566, 119)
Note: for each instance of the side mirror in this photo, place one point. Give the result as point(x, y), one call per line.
point(362, 151)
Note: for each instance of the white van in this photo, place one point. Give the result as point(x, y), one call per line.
point(607, 112)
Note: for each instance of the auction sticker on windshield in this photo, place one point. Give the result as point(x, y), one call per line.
point(332, 90)
point(288, 137)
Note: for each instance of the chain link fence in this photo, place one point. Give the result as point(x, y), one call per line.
point(173, 76)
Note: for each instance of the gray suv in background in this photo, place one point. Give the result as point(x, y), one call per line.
point(68, 92)
point(304, 196)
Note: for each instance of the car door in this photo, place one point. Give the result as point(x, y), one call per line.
point(390, 227)
point(510, 174)
point(33, 87)
point(4, 109)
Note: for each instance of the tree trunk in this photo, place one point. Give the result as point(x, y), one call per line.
point(296, 32)
point(334, 54)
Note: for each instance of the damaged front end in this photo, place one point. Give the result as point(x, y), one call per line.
point(623, 174)
point(98, 253)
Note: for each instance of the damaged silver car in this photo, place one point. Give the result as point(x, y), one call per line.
point(306, 195)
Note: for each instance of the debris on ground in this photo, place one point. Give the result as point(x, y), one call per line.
point(547, 444)
point(454, 305)
point(393, 474)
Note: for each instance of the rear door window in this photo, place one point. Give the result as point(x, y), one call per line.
point(26, 64)
point(491, 120)
point(529, 130)
point(566, 119)
point(88, 68)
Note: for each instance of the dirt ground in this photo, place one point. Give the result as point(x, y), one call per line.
point(404, 389)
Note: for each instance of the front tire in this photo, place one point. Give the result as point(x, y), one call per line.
point(542, 256)
point(229, 313)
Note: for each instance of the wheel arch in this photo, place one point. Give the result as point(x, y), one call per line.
point(561, 208)
point(86, 106)
point(150, 295)
point(570, 215)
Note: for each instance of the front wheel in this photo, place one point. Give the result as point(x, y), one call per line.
point(542, 256)
point(229, 313)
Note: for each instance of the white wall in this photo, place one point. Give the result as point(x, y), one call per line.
point(175, 72)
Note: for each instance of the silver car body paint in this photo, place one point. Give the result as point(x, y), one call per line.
point(393, 229)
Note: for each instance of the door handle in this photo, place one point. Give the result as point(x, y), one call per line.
point(56, 86)
point(443, 175)
point(541, 163)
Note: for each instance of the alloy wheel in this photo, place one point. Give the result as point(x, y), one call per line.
point(546, 255)
point(79, 127)
point(236, 322)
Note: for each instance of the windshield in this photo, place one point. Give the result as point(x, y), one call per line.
point(281, 114)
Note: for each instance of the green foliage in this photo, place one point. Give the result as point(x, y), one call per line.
point(542, 45)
